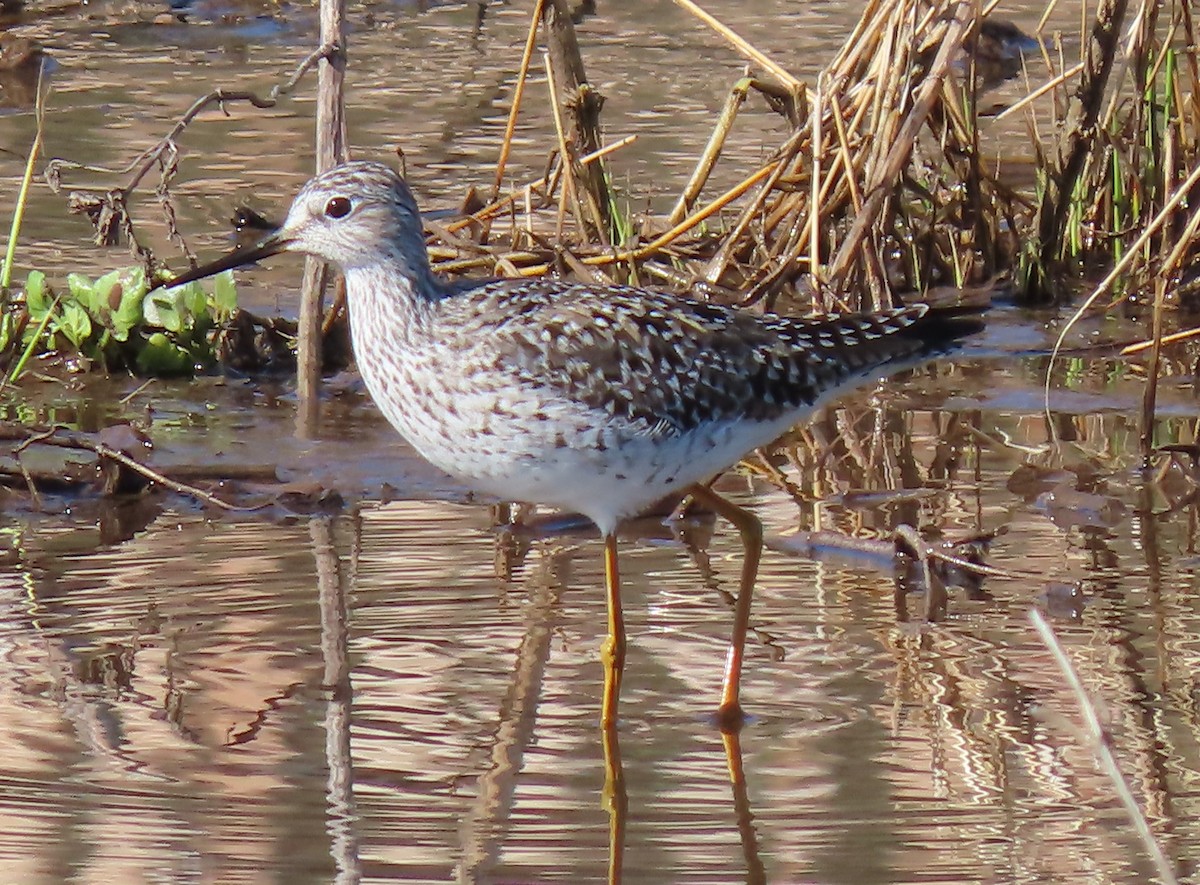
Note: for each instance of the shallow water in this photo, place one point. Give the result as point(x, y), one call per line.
point(171, 710)
point(181, 698)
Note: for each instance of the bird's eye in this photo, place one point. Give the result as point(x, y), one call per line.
point(338, 207)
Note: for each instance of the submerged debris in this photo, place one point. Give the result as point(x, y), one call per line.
point(116, 465)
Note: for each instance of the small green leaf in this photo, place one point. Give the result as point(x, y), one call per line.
point(101, 289)
point(195, 302)
point(161, 356)
point(128, 315)
point(224, 295)
point(164, 308)
point(75, 323)
point(133, 279)
point(37, 299)
point(83, 291)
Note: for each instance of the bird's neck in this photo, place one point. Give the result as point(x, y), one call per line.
point(395, 305)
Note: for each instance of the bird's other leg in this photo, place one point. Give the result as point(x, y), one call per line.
point(729, 714)
point(612, 653)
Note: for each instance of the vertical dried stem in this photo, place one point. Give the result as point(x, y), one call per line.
point(331, 150)
point(881, 178)
point(568, 194)
point(1099, 53)
point(518, 93)
point(584, 102)
point(1100, 745)
point(814, 209)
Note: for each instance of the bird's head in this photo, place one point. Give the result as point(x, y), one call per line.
point(357, 216)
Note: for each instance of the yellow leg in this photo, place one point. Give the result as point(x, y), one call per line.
point(612, 653)
point(729, 714)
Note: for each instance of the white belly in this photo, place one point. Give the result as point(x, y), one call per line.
point(516, 440)
point(560, 454)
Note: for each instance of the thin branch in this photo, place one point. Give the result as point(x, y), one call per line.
point(144, 162)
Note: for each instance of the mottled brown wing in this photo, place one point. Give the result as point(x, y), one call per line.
point(670, 364)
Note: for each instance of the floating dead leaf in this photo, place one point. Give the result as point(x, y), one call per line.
point(1063, 601)
point(107, 212)
point(1067, 507)
point(306, 495)
point(125, 437)
point(1031, 480)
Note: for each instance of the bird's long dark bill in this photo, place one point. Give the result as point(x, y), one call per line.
point(272, 245)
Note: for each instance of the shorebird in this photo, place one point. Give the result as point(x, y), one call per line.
point(602, 399)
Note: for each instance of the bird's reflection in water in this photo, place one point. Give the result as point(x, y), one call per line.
point(518, 532)
point(615, 801)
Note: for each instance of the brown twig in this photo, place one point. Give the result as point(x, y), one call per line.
point(331, 149)
point(583, 101)
point(62, 438)
point(143, 162)
point(107, 207)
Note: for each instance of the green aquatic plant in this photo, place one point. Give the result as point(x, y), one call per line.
point(10, 249)
point(115, 320)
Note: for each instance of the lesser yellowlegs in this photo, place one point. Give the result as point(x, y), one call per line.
point(599, 399)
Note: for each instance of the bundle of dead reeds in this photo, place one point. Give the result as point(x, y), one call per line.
point(852, 206)
point(883, 184)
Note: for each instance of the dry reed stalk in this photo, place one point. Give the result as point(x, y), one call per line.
point(331, 150)
point(687, 224)
point(1068, 168)
point(1101, 745)
point(456, 265)
point(518, 92)
point(580, 269)
point(742, 46)
point(846, 155)
point(883, 67)
point(1050, 85)
point(885, 173)
point(1184, 11)
point(525, 191)
point(814, 210)
point(1049, 11)
point(1185, 243)
point(855, 151)
point(568, 193)
point(900, 151)
point(576, 96)
point(851, 47)
point(712, 151)
point(718, 264)
point(1174, 338)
